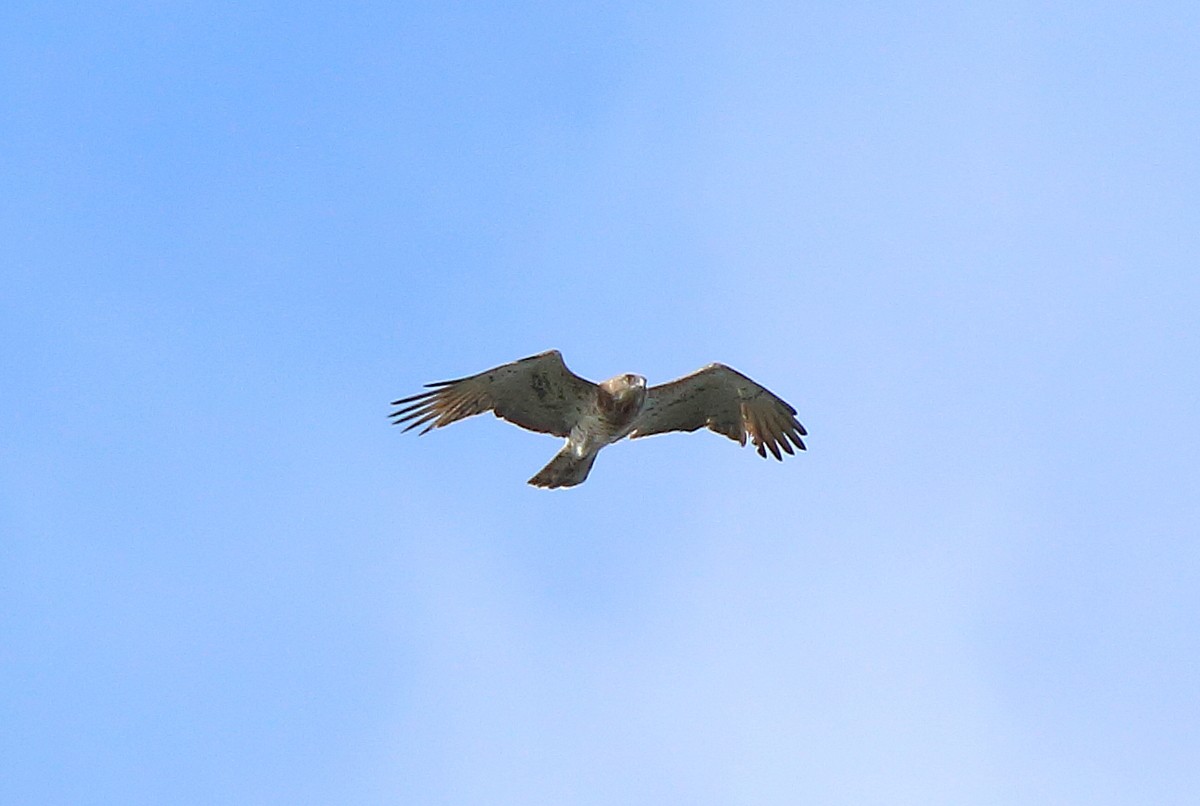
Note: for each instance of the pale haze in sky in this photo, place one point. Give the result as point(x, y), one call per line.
point(963, 240)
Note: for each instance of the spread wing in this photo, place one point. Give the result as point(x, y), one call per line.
point(725, 401)
point(538, 393)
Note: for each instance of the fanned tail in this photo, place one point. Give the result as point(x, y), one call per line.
point(564, 470)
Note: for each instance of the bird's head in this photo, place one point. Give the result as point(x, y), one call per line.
point(627, 392)
point(626, 386)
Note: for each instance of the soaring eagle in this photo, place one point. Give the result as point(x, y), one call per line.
point(541, 394)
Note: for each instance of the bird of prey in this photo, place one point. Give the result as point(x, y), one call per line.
point(539, 393)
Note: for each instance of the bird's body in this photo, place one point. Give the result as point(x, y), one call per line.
point(608, 417)
point(539, 393)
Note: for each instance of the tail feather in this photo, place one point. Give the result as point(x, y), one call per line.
point(564, 470)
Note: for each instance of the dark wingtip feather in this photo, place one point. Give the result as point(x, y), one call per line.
point(423, 416)
point(416, 423)
point(407, 409)
point(406, 415)
point(410, 399)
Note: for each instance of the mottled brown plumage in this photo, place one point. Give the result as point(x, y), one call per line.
point(539, 393)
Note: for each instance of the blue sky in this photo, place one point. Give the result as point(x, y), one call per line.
point(963, 242)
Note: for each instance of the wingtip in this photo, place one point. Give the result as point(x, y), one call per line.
point(795, 438)
point(411, 398)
